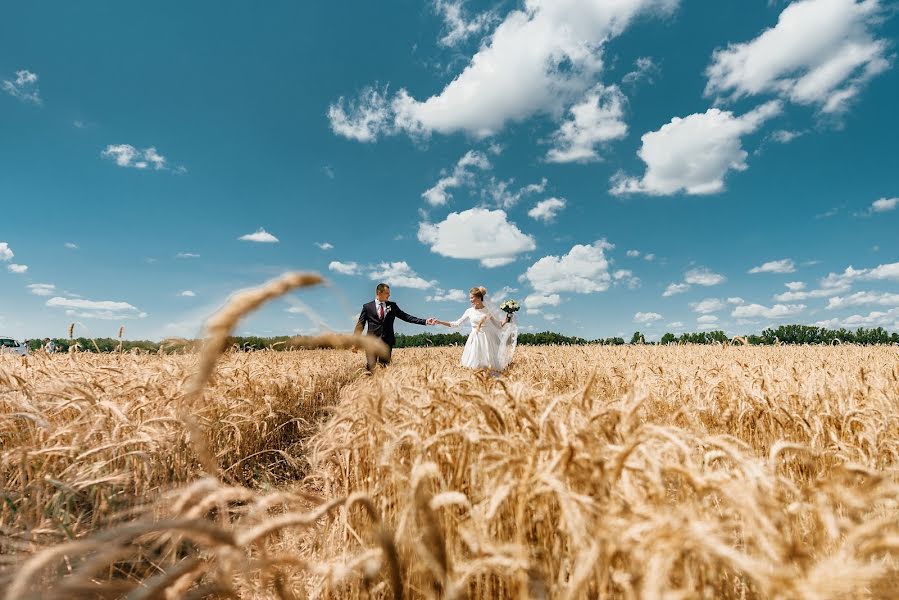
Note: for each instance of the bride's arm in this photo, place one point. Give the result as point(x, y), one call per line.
point(455, 323)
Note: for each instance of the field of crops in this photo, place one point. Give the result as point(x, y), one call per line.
point(611, 472)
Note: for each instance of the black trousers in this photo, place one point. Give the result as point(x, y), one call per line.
point(372, 359)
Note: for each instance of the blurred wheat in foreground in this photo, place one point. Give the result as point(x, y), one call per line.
point(584, 472)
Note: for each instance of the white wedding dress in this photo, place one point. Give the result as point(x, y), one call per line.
point(489, 345)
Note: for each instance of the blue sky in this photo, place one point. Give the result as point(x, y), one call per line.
point(638, 164)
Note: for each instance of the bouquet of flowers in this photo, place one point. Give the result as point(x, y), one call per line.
point(509, 307)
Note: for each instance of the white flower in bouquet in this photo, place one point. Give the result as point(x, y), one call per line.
point(510, 306)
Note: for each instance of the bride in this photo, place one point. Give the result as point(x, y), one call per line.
point(492, 340)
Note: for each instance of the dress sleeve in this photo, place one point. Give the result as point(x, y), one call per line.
point(460, 320)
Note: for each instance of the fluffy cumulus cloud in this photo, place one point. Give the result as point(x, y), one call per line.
point(126, 155)
point(325, 245)
point(778, 311)
point(708, 305)
point(785, 265)
point(539, 59)
point(503, 195)
point(841, 281)
point(703, 276)
point(647, 317)
point(462, 175)
point(645, 69)
point(260, 236)
point(42, 289)
point(693, 154)
point(820, 52)
point(399, 274)
point(477, 234)
point(546, 210)
point(675, 288)
point(583, 270)
point(6, 253)
point(627, 277)
point(448, 296)
point(96, 309)
point(884, 205)
point(344, 268)
point(23, 86)
point(18, 269)
point(538, 300)
point(877, 318)
point(864, 298)
point(459, 27)
point(598, 118)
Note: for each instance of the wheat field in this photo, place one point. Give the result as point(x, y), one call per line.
point(626, 472)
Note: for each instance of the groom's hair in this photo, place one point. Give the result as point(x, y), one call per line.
point(381, 287)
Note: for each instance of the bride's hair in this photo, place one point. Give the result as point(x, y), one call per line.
point(480, 292)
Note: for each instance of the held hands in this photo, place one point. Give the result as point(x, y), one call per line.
point(431, 321)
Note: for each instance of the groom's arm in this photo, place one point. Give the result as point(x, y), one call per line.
point(360, 322)
point(408, 318)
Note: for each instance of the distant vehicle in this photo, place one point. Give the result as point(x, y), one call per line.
point(9, 345)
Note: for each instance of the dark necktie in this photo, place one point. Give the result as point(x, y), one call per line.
point(381, 310)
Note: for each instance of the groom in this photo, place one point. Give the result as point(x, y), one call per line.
point(380, 315)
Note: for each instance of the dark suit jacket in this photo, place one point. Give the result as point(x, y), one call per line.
point(383, 329)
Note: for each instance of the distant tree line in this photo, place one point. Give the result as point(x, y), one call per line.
point(785, 334)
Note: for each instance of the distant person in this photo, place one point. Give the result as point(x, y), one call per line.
point(493, 337)
point(49, 346)
point(379, 315)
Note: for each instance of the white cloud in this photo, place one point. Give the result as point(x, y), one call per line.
point(42, 289)
point(552, 316)
point(876, 318)
point(821, 52)
point(187, 255)
point(785, 265)
point(864, 298)
point(675, 325)
point(884, 204)
point(594, 120)
point(6, 252)
point(478, 234)
point(363, 120)
point(538, 60)
point(71, 245)
point(783, 136)
point(583, 270)
point(260, 235)
point(626, 276)
point(778, 311)
point(736, 300)
point(646, 317)
point(502, 195)
point(448, 296)
point(707, 319)
point(325, 245)
point(24, 87)
point(14, 268)
point(348, 268)
point(126, 155)
point(708, 305)
point(546, 210)
point(96, 309)
point(694, 154)
point(462, 175)
point(675, 288)
point(795, 286)
point(645, 69)
point(458, 28)
point(538, 300)
point(187, 294)
point(650, 257)
point(889, 271)
point(703, 276)
point(503, 293)
point(399, 274)
point(633, 253)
